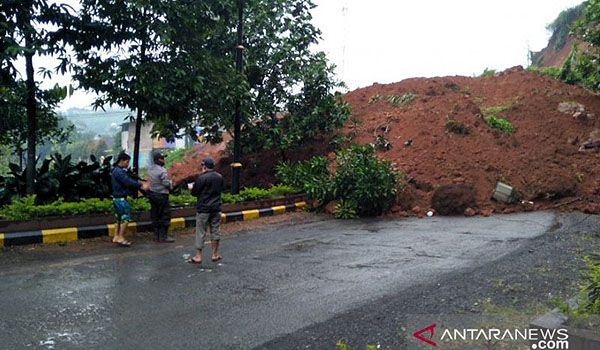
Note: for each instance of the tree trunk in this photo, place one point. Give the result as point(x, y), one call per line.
point(138, 120)
point(136, 141)
point(31, 122)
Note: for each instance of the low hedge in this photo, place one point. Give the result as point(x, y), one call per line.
point(25, 208)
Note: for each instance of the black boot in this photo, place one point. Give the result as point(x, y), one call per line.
point(164, 235)
point(157, 233)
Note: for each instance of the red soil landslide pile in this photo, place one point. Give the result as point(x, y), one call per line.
point(540, 159)
point(180, 173)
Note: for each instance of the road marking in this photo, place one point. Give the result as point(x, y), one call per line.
point(131, 229)
point(279, 210)
point(177, 224)
point(59, 235)
point(251, 214)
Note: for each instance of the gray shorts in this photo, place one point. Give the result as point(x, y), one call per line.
point(203, 221)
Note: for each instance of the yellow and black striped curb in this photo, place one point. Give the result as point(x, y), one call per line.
point(77, 233)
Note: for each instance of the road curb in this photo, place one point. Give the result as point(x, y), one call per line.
point(71, 234)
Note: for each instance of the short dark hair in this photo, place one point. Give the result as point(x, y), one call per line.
point(208, 162)
point(123, 156)
point(158, 156)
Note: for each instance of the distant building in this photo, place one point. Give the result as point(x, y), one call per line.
point(148, 145)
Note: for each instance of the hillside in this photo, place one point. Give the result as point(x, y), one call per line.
point(541, 159)
point(100, 122)
point(560, 43)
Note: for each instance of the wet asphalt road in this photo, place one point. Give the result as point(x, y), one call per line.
point(273, 282)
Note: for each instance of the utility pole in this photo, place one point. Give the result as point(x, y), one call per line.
point(236, 166)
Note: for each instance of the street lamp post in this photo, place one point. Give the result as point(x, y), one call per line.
point(236, 165)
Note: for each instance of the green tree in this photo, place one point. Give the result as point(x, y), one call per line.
point(27, 30)
point(123, 51)
point(117, 144)
point(14, 129)
point(286, 89)
point(583, 67)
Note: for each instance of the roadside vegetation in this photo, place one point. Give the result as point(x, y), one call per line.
point(172, 63)
point(582, 65)
point(361, 184)
point(587, 304)
point(27, 207)
point(175, 156)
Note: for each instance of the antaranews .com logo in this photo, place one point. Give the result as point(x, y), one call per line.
point(539, 339)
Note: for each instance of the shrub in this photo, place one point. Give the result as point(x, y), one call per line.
point(282, 190)
point(363, 179)
point(254, 193)
point(456, 127)
point(591, 288)
point(345, 210)
point(182, 200)
point(500, 124)
point(229, 198)
point(59, 175)
point(26, 208)
point(554, 72)
point(487, 72)
point(360, 178)
point(310, 176)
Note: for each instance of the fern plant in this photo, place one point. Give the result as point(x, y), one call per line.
point(402, 100)
point(345, 210)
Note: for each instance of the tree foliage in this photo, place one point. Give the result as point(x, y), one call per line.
point(582, 67)
point(13, 124)
point(561, 26)
point(28, 28)
point(286, 88)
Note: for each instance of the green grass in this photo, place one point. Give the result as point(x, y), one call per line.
point(495, 117)
point(374, 98)
point(175, 156)
point(554, 72)
point(487, 72)
point(401, 100)
point(499, 124)
point(495, 110)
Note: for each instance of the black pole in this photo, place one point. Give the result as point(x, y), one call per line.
point(31, 119)
point(237, 166)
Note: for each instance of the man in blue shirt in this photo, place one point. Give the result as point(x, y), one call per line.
point(121, 185)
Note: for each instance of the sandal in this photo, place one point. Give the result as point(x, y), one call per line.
point(217, 258)
point(124, 243)
point(192, 261)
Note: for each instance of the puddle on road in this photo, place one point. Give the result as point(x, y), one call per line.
point(58, 338)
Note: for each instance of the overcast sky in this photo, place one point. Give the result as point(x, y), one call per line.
point(386, 41)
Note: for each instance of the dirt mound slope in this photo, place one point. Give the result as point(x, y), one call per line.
point(186, 171)
point(258, 169)
point(540, 159)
